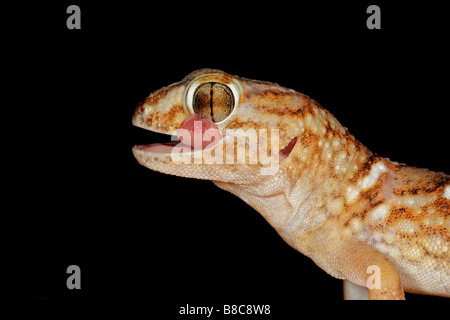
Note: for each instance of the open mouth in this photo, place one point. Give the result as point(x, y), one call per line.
point(196, 134)
point(158, 147)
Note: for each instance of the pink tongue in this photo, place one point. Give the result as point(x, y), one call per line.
point(198, 132)
point(195, 132)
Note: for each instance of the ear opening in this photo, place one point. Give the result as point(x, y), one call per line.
point(287, 150)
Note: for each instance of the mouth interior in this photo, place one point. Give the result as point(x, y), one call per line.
point(158, 147)
point(196, 133)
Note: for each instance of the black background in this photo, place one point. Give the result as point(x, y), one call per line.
point(76, 195)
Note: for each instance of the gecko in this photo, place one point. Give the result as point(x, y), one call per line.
point(372, 222)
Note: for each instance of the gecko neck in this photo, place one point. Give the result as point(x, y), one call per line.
point(311, 182)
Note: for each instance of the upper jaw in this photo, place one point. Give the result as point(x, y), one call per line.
point(142, 120)
point(163, 111)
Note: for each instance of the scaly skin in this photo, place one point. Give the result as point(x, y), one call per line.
point(331, 199)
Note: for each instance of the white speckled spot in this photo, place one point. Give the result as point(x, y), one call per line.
point(375, 173)
point(352, 194)
point(419, 200)
point(379, 213)
point(407, 226)
point(336, 142)
point(356, 225)
point(389, 237)
point(447, 192)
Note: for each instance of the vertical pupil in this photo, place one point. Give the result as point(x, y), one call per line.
point(214, 101)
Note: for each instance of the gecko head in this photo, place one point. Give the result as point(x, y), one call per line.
point(227, 129)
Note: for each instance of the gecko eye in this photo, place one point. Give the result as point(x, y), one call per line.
point(213, 100)
point(214, 96)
